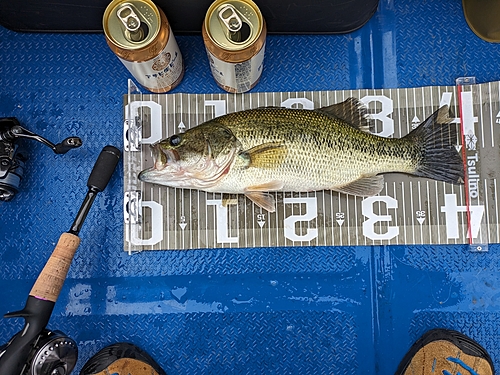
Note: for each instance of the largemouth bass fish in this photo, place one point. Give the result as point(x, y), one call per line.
point(257, 151)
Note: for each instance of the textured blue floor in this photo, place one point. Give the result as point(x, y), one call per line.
point(322, 310)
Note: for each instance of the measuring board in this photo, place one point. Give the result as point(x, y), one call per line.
point(409, 210)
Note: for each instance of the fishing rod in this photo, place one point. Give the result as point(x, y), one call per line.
point(35, 350)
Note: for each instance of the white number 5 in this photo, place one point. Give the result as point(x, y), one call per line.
point(310, 214)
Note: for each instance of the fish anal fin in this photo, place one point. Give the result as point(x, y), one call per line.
point(352, 111)
point(261, 199)
point(363, 187)
point(266, 155)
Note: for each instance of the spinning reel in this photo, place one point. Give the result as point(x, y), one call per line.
point(12, 160)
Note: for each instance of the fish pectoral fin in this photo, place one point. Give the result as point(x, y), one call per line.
point(266, 155)
point(351, 111)
point(363, 187)
point(261, 199)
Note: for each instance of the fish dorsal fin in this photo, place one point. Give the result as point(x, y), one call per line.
point(261, 199)
point(266, 155)
point(363, 187)
point(351, 111)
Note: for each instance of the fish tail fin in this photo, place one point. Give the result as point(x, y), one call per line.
point(439, 159)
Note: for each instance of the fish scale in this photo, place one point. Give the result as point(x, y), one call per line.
point(316, 144)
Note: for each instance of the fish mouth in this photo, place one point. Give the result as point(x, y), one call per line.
point(161, 160)
point(162, 157)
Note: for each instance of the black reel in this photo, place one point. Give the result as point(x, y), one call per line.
point(53, 354)
point(12, 160)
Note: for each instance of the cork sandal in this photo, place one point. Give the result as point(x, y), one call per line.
point(121, 359)
point(442, 351)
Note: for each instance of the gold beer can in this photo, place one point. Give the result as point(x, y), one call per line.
point(138, 32)
point(234, 33)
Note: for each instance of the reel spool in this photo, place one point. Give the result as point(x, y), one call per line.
point(11, 170)
point(53, 354)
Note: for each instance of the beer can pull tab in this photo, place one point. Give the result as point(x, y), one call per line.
point(229, 17)
point(128, 17)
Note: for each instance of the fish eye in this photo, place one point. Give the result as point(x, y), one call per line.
point(175, 140)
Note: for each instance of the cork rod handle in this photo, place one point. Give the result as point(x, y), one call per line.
point(49, 283)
